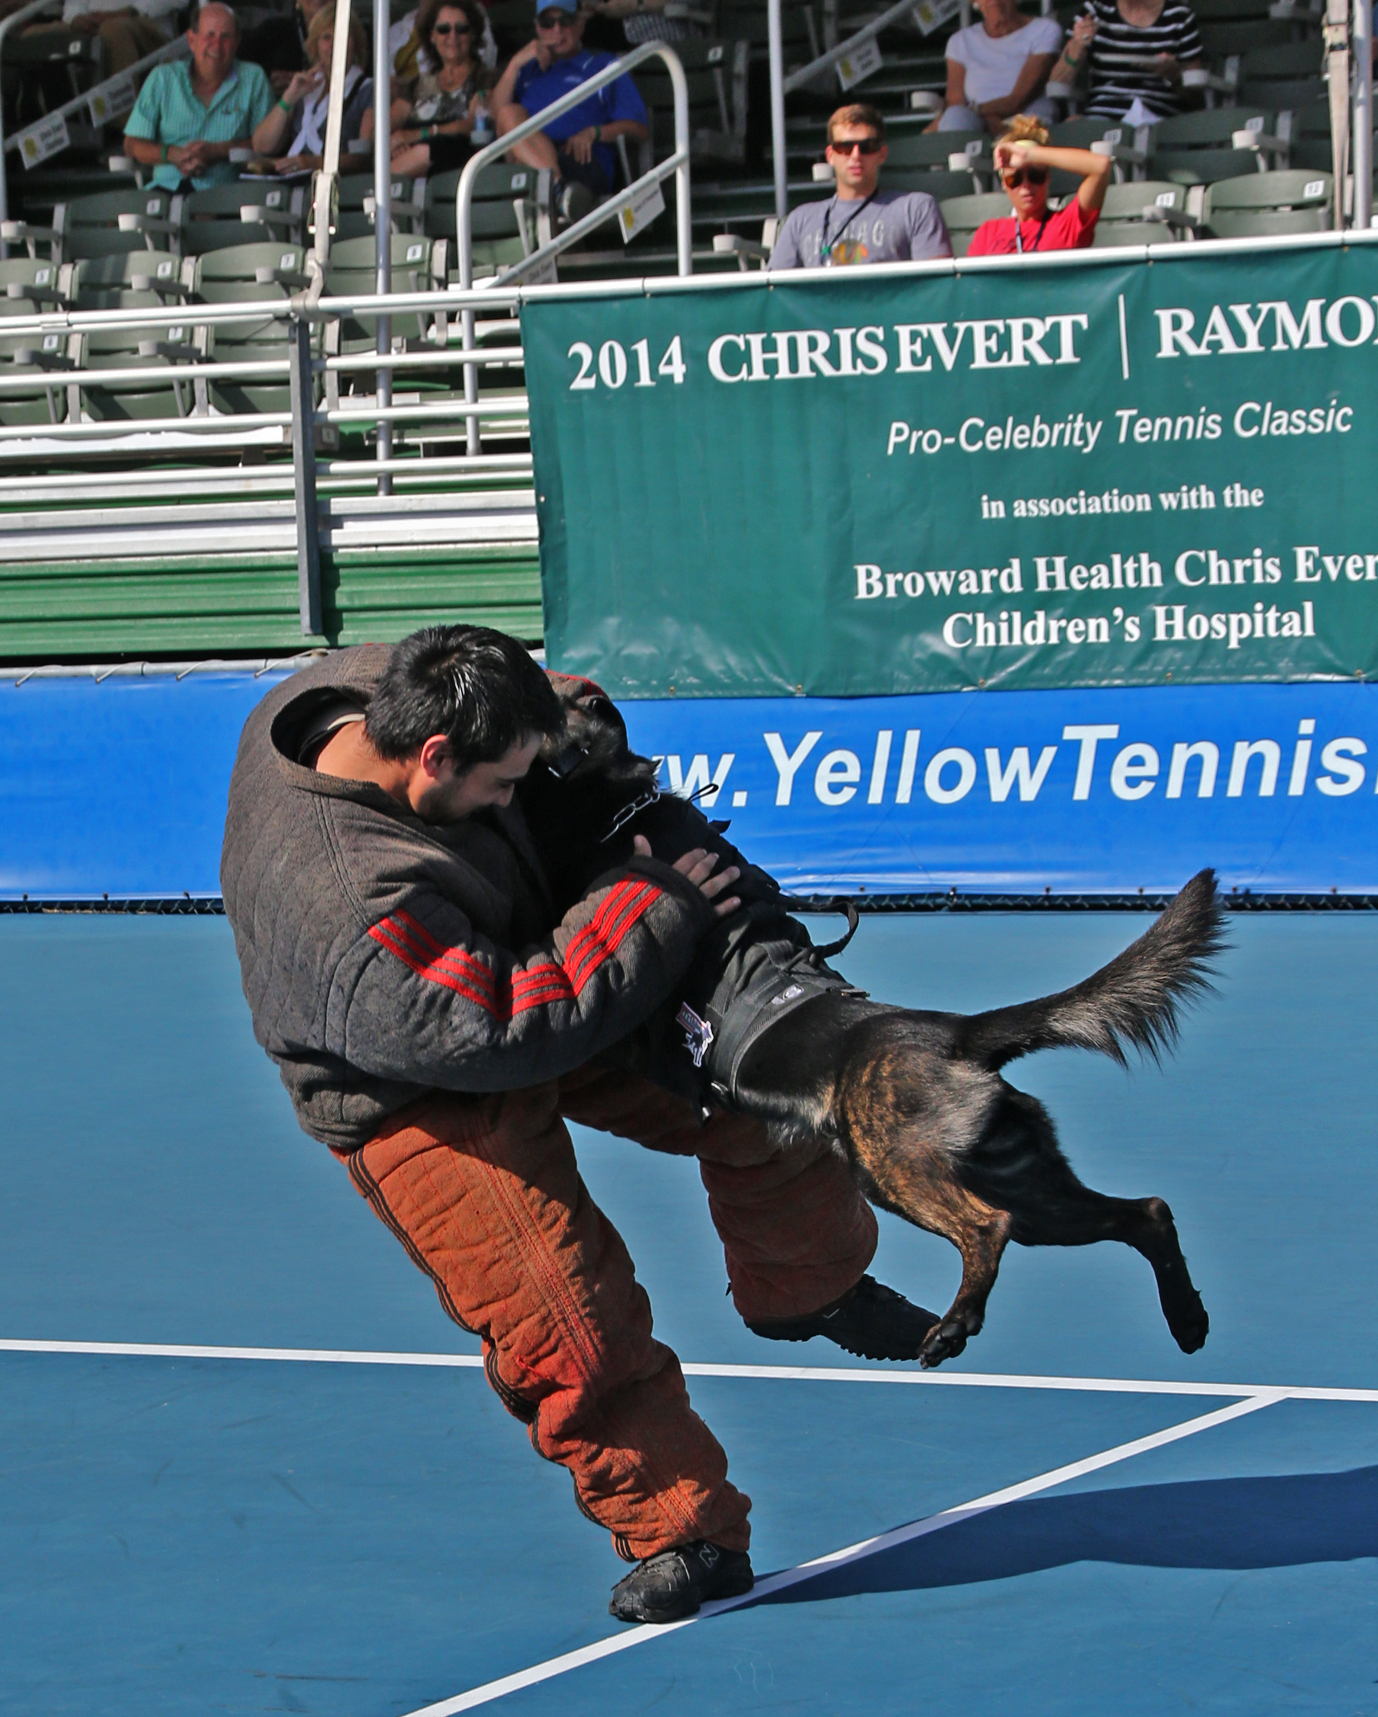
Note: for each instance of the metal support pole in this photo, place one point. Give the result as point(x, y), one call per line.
point(776, 37)
point(1335, 32)
point(382, 220)
point(1361, 130)
point(304, 476)
point(13, 22)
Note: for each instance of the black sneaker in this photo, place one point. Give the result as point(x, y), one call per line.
point(572, 201)
point(870, 1320)
point(673, 1584)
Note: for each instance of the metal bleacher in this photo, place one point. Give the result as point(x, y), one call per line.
point(218, 435)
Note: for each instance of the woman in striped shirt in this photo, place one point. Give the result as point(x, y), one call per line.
point(1134, 48)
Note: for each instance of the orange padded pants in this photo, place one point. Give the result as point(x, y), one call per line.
point(485, 1194)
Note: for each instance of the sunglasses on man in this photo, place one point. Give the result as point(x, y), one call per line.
point(867, 146)
point(554, 20)
point(1014, 177)
point(451, 30)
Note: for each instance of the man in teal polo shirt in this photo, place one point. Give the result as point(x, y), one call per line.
point(190, 115)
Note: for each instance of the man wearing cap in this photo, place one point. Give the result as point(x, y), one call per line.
point(577, 146)
point(860, 223)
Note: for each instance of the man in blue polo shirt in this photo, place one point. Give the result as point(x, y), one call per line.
point(576, 146)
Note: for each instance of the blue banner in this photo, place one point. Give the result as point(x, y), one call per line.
point(119, 788)
point(1078, 792)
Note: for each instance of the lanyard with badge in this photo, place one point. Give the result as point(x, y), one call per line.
point(825, 249)
point(1019, 234)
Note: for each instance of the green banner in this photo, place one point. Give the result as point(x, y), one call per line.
point(1070, 472)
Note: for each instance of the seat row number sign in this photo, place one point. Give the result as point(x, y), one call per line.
point(640, 210)
point(112, 98)
point(42, 140)
point(864, 59)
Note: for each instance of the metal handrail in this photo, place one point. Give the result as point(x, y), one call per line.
point(677, 163)
point(176, 49)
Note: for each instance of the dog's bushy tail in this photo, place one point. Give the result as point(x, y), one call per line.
point(1134, 1001)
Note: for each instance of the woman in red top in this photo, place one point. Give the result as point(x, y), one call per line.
point(1023, 159)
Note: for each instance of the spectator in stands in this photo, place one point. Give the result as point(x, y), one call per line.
point(432, 123)
point(305, 103)
point(577, 145)
point(278, 44)
point(128, 32)
point(998, 67)
point(190, 114)
point(411, 53)
point(1133, 50)
point(1023, 160)
point(860, 223)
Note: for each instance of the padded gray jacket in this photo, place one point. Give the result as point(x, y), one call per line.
point(383, 957)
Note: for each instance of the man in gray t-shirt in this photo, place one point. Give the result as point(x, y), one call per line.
point(861, 223)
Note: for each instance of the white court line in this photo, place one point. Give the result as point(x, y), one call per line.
point(765, 1373)
point(766, 1588)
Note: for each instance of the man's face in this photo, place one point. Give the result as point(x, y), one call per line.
point(213, 43)
point(559, 33)
point(856, 171)
point(440, 794)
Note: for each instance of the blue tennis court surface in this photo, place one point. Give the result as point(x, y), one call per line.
point(281, 1530)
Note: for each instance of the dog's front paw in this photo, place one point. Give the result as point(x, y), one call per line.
point(945, 1341)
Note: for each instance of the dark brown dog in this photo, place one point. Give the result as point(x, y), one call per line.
point(915, 1099)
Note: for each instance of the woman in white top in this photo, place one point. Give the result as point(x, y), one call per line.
point(999, 67)
point(305, 103)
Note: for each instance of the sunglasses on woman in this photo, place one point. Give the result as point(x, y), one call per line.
point(1014, 177)
point(867, 146)
point(450, 30)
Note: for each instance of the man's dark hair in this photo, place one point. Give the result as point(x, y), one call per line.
point(478, 687)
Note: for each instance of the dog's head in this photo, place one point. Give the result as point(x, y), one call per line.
point(591, 757)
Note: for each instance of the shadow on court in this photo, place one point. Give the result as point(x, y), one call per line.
point(1212, 1523)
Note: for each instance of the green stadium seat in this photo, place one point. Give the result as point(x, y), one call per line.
point(250, 273)
point(157, 394)
point(1223, 39)
point(716, 73)
point(246, 212)
point(1310, 142)
point(943, 186)
point(44, 357)
point(1148, 211)
point(245, 273)
point(1283, 78)
point(934, 150)
point(32, 282)
point(511, 214)
point(1268, 205)
point(354, 217)
point(1198, 148)
point(117, 282)
point(964, 214)
point(104, 225)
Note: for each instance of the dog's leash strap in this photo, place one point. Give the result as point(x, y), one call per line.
point(853, 918)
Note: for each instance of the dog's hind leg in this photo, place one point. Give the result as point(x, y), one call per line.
point(1077, 1216)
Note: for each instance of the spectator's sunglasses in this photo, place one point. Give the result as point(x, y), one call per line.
point(451, 30)
point(1014, 177)
point(555, 20)
point(867, 146)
